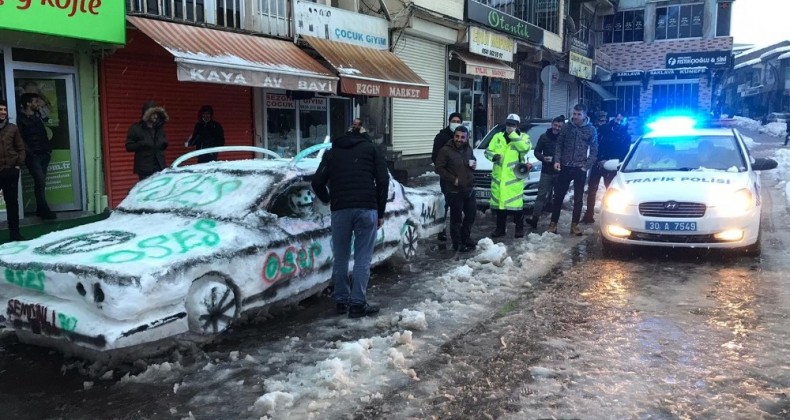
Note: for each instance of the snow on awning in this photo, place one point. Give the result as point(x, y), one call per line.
point(747, 63)
point(784, 56)
point(214, 56)
point(370, 72)
point(483, 66)
point(775, 51)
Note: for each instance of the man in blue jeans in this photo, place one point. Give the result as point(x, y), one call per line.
point(353, 179)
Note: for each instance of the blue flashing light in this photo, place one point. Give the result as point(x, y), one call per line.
point(672, 125)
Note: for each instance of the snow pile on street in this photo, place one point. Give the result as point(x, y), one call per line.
point(747, 123)
point(775, 129)
point(750, 142)
point(782, 172)
point(352, 366)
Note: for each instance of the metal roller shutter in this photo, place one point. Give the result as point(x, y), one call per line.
point(415, 122)
point(560, 96)
point(144, 71)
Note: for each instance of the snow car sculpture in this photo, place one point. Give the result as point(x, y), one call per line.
point(189, 250)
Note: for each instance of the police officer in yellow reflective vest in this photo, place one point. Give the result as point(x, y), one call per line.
point(508, 149)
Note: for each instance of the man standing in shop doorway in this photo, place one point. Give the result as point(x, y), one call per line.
point(12, 157)
point(146, 138)
point(206, 134)
point(38, 150)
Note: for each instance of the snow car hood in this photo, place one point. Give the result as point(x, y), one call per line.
point(128, 245)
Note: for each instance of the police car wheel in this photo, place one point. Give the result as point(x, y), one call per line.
point(755, 249)
point(609, 248)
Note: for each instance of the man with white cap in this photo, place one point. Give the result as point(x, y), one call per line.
point(507, 150)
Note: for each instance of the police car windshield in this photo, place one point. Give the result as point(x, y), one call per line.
point(694, 153)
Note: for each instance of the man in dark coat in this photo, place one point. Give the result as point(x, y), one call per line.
point(544, 152)
point(442, 137)
point(146, 138)
point(456, 165)
point(353, 178)
point(38, 150)
point(613, 143)
point(206, 134)
point(12, 157)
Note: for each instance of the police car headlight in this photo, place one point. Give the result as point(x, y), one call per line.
point(615, 200)
point(740, 202)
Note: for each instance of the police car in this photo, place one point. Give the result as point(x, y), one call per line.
point(682, 186)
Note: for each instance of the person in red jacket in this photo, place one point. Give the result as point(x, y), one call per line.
point(12, 157)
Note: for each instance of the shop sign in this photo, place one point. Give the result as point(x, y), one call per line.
point(545, 6)
point(191, 72)
point(490, 72)
point(672, 74)
point(579, 46)
point(623, 76)
point(709, 59)
point(313, 104)
point(491, 44)
point(371, 88)
point(94, 20)
point(580, 66)
point(274, 100)
point(494, 19)
point(340, 25)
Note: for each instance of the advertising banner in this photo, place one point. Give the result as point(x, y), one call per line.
point(341, 25)
point(494, 19)
point(709, 59)
point(94, 20)
point(580, 66)
point(490, 44)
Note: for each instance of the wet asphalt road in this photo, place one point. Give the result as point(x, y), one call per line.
point(653, 334)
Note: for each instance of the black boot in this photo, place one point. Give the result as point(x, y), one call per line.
point(588, 217)
point(533, 223)
point(519, 232)
point(358, 311)
point(442, 236)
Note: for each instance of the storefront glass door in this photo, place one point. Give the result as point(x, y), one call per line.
point(58, 111)
point(296, 124)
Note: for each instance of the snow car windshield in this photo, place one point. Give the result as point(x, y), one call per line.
point(695, 153)
point(222, 190)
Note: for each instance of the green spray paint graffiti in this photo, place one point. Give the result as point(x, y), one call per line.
point(12, 249)
point(194, 190)
point(29, 279)
point(293, 262)
point(159, 247)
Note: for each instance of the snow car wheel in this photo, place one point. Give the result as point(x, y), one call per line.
point(212, 305)
point(409, 239)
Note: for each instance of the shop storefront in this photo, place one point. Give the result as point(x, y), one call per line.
point(183, 67)
point(55, 61)
point(375, 83)
point(493, 42)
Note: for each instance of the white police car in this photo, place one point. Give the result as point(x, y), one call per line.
point(685, 187)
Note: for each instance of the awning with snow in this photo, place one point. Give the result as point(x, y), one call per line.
point(370, 72)
point(600, 90)
point(213, 56)
point(486, 67)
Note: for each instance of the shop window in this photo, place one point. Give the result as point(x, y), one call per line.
point(683, 96)
point(43, 57)
point(189, 10)
point(677, 22)
point(229, 13)
point(723, 18)
point(628, 98)
point(374, 113)
point(626, 26)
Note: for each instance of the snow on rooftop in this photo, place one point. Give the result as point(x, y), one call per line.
point(775, 51)
point(784, 56)
point(747, 63)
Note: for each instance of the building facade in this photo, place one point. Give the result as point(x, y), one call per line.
point(663, 56)
point(759, 82)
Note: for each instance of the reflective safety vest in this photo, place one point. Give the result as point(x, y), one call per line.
point(507, 191)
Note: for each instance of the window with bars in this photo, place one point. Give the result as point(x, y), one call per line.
point(541, 13)
point(681, 21)
point(628, 97)
point(626, 26)
point(675, 96)
point(226, 13)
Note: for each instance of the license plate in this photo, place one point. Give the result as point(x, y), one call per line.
point(482, 193)
point(671, 226)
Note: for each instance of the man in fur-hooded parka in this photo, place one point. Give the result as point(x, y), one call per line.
point(146, 138)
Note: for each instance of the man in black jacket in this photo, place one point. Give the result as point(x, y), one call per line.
point(613, 143)
point(353, 178)
point(544, 152)
point(146, 138)
point(38, 150)
point(206, 134)
point(442, 137)
point(456, 165)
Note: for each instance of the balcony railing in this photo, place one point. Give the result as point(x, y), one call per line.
point(269, 17)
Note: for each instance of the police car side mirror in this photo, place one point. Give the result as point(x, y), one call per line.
point(612, 164)
point(764, 164)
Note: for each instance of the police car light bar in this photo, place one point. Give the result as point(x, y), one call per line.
point(672, 125)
